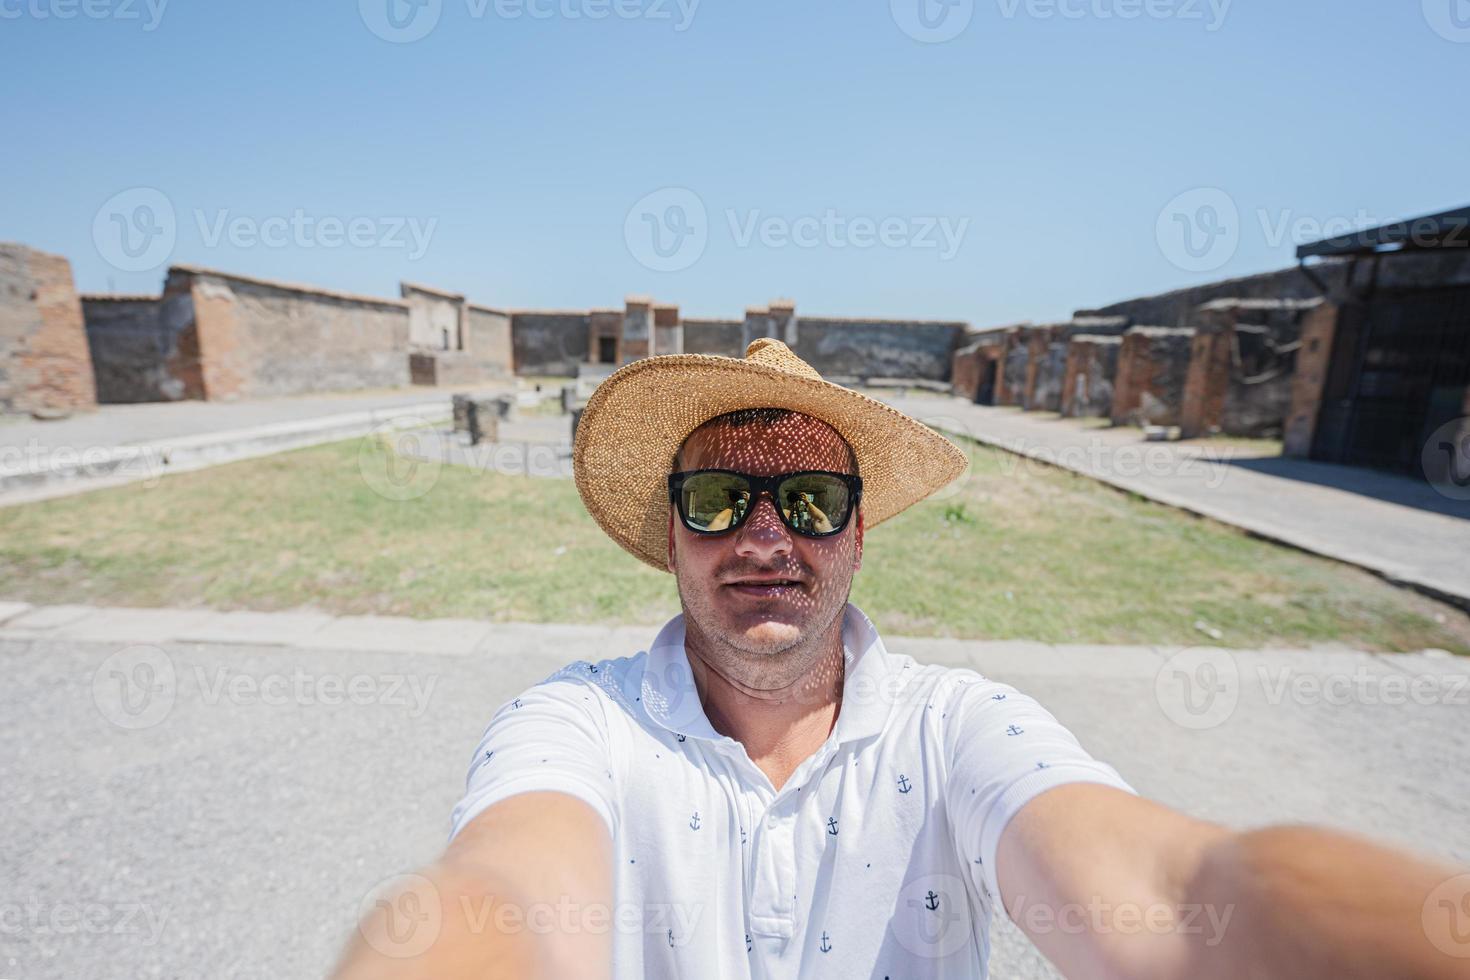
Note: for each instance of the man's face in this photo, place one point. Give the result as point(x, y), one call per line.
point(709, 567)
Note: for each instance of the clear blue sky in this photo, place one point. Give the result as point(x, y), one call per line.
point(527, 140)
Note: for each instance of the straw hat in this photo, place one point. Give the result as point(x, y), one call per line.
point(636, 420)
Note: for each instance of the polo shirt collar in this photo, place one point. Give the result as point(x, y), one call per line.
point(671, 699)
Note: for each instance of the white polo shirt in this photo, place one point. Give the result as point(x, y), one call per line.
point(876, 858)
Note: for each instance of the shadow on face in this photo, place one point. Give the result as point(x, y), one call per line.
point(710, 568)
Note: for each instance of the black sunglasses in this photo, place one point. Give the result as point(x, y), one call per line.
point(812, 503)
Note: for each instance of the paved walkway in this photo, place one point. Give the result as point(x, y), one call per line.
point(1397, 527)
point(120, 444)
point(226, 816)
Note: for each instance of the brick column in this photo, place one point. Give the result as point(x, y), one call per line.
point(1313, 359)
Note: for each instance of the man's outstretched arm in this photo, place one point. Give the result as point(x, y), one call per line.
point(1107, 884)
point(523, 891)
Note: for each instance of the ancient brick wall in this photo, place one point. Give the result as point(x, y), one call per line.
point(1087, 380)
point(720, 337)
point(435, 317)
point(488, 340)
point(259, 339)
point(1177, 308)
point(549, 343)
point(143, 348)
point(1148, 388)
point(45, 364)
point(1313, 359)
point(879, 348)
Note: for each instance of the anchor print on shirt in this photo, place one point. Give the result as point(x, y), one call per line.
point(832, 826)
point(515, 704)
point(747, 942)
point(1015, 730)
point(694, 821)
point(904, 786)
point(682, 738)
point(931, 901)
point(997, 697)
point(826, 944)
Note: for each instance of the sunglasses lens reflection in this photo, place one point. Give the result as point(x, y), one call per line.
point(812, 503)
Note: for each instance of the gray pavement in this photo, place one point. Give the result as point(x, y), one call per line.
point(1394, 526)
point(225, 816)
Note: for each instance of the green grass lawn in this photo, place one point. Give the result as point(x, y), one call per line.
point(1008, 552)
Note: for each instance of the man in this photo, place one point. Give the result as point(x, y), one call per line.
point(767, 792)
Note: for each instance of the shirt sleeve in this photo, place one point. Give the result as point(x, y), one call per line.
point(554, 737)
point(1004, 749)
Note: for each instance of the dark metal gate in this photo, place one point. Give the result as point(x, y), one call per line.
point(1400, 367)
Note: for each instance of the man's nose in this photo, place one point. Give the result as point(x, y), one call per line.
point(763, 536)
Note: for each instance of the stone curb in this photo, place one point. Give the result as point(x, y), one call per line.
point(119, 465)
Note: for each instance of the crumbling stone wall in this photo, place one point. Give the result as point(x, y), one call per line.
point(45, 364)
point(720, 337)
point(144, 348)
point(1152, 365)
point(1241, 363)
point(435, 317)
point(1177, 308)
point(862, 349)
point(259, 338)
point(549, 343)
point(489, 339)
point(1087, 381)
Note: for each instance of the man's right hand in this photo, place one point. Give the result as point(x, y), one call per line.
point(524, 891)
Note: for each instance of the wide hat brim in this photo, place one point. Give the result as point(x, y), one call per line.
point(638, 417)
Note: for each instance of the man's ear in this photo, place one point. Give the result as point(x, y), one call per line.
point(671, 539)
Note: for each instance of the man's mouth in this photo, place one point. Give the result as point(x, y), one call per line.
point(765, 587)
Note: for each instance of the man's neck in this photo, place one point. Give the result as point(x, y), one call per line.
point(779, 726)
